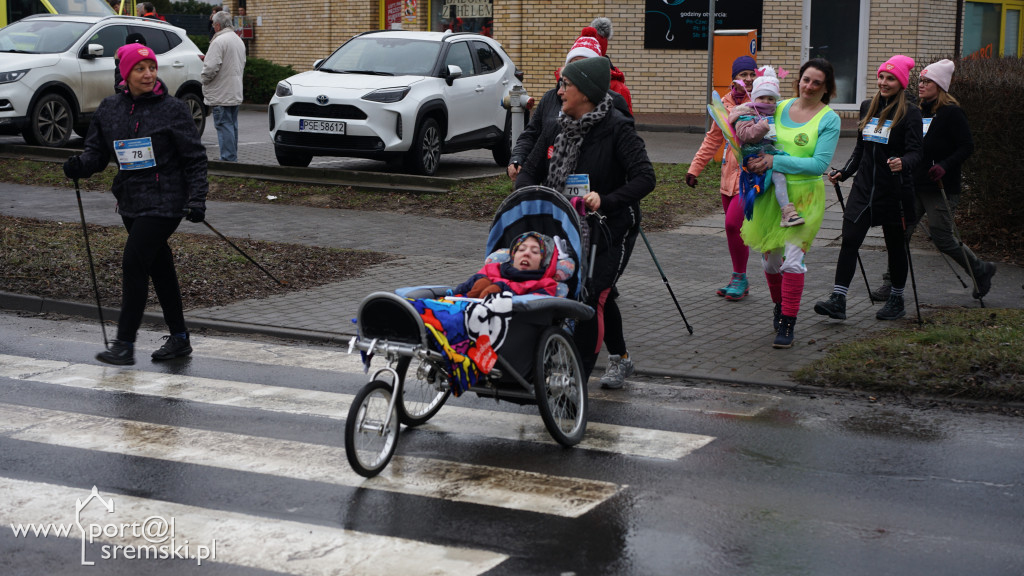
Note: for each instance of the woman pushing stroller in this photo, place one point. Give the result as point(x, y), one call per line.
point(594, 142)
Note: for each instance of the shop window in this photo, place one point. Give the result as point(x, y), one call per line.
point(462, 16)
point(982, 22)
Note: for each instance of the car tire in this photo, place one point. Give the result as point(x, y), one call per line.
point(293, 159)
point(197, 109)
point(502, 153)
point(425, 154)
point(51, 122)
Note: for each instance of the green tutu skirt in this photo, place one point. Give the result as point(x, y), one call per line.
point(763, 233)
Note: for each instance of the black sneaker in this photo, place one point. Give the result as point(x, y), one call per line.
point(785, 335)
point(988, 270)
point(120, 353)
point(893, 309)
point(175, 347)
point(834, 307)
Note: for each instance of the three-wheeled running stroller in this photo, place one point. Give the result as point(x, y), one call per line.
point(537, 361)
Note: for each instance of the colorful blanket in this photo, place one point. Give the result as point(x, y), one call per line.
point(468, 333)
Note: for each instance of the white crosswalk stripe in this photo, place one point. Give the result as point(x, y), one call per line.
point(452, 419)
point(505, 488)
point(242, 540)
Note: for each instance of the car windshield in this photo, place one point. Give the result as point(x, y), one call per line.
point(383, 55)
point(41, 36)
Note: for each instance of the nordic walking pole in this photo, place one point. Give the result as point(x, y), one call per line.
point(839, 193)
point(906, 242)
point(665, 280)
point(955, 273)
point(963, 249)
point(232, 244)
point(92, 269)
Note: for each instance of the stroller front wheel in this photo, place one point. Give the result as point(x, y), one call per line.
point(559, 387)
point(424, 391)
point(369, 443)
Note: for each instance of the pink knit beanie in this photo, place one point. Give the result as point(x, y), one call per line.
point(940, 72)
point(130, 55)
point(900, 67)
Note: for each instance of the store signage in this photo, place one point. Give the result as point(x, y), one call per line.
point(683, 24)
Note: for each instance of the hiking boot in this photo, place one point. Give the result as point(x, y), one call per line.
point(834, 307)
point(738, 288)
point(784, 336)
point(984, 280)
point(174, 347)
point(619, 369)
point(893, 309)
point(881, 294)
point(790, 217)
point(777, 313)
point(724, 289)
point(120, 353)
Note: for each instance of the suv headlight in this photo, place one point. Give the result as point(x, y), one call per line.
point(7, 77)
point(283, 89)
point(387, 95)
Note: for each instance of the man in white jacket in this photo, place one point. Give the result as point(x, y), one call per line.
point(222, 83)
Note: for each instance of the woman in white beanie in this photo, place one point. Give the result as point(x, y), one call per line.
point(947, 144)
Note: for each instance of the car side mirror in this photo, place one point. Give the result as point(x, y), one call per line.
point(93, 51)
point(453, 73)
point(317, 63)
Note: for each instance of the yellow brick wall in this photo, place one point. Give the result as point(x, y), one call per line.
point(538, 33)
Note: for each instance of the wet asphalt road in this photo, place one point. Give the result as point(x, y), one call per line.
point(242, 444)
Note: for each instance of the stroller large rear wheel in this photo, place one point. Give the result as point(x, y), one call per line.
point(369, 445)
point(423, 391)
point(559, 386)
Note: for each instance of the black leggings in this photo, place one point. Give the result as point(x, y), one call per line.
point(147, 255)
point(853, 237)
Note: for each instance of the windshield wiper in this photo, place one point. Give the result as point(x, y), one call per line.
point(17, 51)
point(372, 72)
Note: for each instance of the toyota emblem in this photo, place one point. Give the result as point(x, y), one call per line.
point(321, 99)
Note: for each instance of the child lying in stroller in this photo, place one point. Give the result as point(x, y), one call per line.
point(532, 265)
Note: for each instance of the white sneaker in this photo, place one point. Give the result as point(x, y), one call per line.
point(619, 369)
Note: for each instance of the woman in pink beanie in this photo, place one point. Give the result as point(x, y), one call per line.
point(884, 159)
point(947, 144)
point(161, 179)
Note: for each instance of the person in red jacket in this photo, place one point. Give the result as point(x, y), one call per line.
point(603, 29)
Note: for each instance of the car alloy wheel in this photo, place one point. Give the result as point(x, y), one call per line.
point(51, 123)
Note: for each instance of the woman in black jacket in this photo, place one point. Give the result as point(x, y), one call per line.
point(161, 178)
point(886, 155)
point(947, 144)
point(594, 142)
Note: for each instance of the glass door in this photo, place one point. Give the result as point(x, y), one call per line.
point(836, 30)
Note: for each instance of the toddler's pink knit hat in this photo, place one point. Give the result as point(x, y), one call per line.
point(899, 66)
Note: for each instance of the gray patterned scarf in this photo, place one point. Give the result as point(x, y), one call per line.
point(567, 146)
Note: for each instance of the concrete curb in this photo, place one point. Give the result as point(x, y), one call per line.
point(328, 176)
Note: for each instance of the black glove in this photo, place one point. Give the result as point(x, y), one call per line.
point(195, 213)
point(73, 168)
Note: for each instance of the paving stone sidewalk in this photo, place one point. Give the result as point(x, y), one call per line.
point(731, 340)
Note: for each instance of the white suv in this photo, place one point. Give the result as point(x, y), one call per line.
point(398, 94)
point(55, 71)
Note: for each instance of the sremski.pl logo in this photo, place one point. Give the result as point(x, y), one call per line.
point(105, 538)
